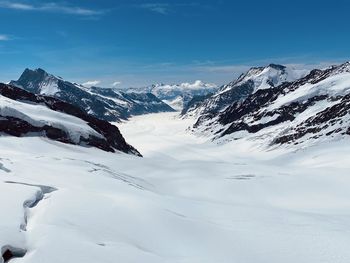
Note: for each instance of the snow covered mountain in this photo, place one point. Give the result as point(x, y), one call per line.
point(135, 103)
point(257, 78)
point(177, 96)
point(24, 114)
point(303, 112)
point(106, 104)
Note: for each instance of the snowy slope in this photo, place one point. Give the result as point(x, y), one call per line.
point(39, 116)
point(306, 111)
point(257, 78)
point(25, 114)
point(266, 77)
point(188, 200)
point(106, 104)
point(178, 95)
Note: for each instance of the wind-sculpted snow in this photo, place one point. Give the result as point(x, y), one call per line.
point(187, 200)
point(25, 114)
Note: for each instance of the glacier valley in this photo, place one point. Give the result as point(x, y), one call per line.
point(187, 200)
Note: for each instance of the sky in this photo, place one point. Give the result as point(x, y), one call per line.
point(138, 43)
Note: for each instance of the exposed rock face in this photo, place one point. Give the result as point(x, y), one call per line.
point(316, 106)
point(194, 103)
point(257, 78)
point(17, 127)
point(106, 104)
point(107, 136)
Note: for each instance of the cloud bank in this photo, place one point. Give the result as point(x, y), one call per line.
point(50, 7)
point(116, 83)
point(4, 37)
point(91, 83)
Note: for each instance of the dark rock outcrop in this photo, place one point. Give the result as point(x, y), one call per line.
point(110, 140)
point(194, 103)
point(9, 252)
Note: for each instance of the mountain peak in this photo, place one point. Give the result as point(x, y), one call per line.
point(40, 71)
point(345, 66)
point(277, 66)
point(271, 65)
point(38, 74)
point(31, 72)
point(105, 104)
point(256, 78)
point(264, 77)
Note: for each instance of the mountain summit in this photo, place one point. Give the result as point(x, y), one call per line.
point(254, 79)
point(106, 104)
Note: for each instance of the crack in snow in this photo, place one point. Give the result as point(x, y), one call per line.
point(9, 252)
point(28, 204)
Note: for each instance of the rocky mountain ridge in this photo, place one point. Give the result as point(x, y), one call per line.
point(106, 104)
point(313, 108)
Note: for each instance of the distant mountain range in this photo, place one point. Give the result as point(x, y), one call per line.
point(106, 104)
point(274, 106)
point(277, 103)
point(177, 95)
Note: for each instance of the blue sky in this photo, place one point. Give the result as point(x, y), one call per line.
point(138, 43)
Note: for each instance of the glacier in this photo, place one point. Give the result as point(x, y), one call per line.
point(187, 200)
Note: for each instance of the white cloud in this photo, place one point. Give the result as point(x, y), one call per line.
point(116, 83)
point(50, 7)
point(18, 6)
point(4, 38)
point(91, 83)
point(167, 8)
point(157, 8)
point(198, 84)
